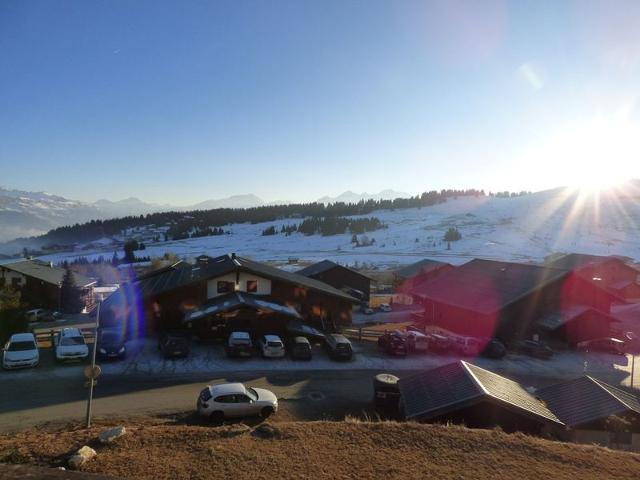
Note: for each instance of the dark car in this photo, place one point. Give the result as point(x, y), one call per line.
point(338, 347)
point(393, 343)
point(300, 348)
point(535, 349)
point(174, 344)
point(111, 344)
point(494, 349)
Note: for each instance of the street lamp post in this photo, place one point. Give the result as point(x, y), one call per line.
point(91, 375)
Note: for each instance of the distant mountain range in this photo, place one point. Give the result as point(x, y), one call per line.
point(26, 214)
point(351, 197)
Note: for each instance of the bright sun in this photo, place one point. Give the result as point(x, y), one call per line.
point(592, 156)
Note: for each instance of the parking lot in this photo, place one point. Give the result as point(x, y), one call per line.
point(146, 382)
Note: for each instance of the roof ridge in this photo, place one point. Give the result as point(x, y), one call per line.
point(613, 391)
point(478, 383)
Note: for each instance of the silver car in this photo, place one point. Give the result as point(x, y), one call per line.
point(21, 351)
point(231, 400)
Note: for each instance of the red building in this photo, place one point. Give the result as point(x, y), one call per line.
point(412, 279)
point(611, 273)
point(486, 298)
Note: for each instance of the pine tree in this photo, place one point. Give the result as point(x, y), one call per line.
point(70, 295)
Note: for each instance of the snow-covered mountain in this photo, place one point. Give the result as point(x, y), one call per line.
point(352, 197)
point(34, 213)
point(128, 206)
point(234, 201)
point(525, 228)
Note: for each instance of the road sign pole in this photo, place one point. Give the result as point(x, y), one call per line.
point(93, 367)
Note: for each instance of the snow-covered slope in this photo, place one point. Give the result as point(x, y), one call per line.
point(526, 228)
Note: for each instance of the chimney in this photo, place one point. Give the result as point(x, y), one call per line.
point(233, 255)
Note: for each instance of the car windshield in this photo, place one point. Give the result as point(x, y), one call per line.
point(21, 346)
point(110, 338)
point(274, 344)
point(252, 394)
point(69, 341)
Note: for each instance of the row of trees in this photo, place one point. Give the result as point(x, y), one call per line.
point(200, 220)
point(328, 226)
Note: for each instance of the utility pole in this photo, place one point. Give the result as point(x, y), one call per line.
point(93, 372)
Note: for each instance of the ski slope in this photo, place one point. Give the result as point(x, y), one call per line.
point(522, 229)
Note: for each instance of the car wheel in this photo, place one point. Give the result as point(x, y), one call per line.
point(266, 412)
point(217, 418)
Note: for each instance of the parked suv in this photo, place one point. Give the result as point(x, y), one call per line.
point(300, 349)
point(338, 346)
point(439, 343)
point(70, 345)
point(239, 344)
point(468, 346)
point(417, 342)
point(393, 343)
point(35, 315)
point(174, 344)
point(271, 346)
point(235, 400)
point(21, 351)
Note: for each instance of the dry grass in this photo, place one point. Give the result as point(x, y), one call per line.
point(157, 449)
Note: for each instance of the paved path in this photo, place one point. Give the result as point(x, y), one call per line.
point(145, 383)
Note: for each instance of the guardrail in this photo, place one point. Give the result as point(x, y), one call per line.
point(360, 333)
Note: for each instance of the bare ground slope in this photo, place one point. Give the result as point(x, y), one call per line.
point(158, 448)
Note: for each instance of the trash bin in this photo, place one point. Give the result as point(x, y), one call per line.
point(386, 393)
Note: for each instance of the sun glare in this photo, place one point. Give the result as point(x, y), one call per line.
point(591, 157)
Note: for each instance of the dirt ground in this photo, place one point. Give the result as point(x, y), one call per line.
point(171, 447)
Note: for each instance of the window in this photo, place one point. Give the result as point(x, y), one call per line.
point(242, 399)
point(15, 282)
point(226, 399)
point(252, 286)
point(225, 287)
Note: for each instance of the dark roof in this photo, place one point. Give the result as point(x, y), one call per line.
point(181, 274)
point(325, 265)
point(587, 399)
point(46, 272)
point(486, 286)
point(557, 319)
point(573, 261)
point(422, 266)
point(294, 278)
point(436, 392)
point(235, 300)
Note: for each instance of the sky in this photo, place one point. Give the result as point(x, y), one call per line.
point(179, 102)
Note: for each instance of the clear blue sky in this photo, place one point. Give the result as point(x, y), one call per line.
point(187, 100)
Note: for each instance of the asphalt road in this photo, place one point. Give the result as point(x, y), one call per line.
point(303, 395)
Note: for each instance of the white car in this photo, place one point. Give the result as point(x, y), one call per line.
point(35, 315)
point(70, 345)
point(21, 351)
point(417, 342)
point(230, 400)
point(384, 307)
point(272, 346)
